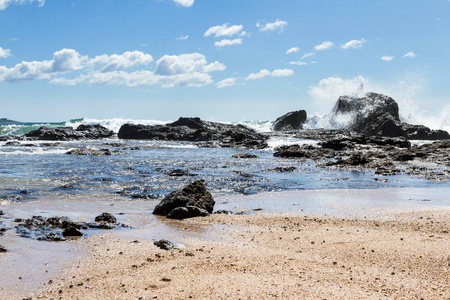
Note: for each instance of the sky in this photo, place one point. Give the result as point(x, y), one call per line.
point(223, 60)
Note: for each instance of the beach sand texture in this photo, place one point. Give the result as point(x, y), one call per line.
point(268, 256)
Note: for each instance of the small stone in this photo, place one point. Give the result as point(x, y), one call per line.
point(164, 244)
point(2, 249)
point(106, 217)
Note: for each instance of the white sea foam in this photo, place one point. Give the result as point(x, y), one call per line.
point(275, 142)
point(33, 151)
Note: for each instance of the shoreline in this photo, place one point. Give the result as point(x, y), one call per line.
point(251, 235)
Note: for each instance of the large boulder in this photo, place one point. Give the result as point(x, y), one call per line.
point(373, 114)
point(378, 115)
point(69, 133)
point(196, 130)
point(293, 120)
point(193, 195)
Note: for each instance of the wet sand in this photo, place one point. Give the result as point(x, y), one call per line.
point(398, 251)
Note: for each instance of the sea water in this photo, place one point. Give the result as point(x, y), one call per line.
point(34, 170)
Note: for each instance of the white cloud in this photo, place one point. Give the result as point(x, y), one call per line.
point(185, 3)
point(324, 46)
point(186, 63)
point(226, 83)
point(354, 44)
point(277, 25)
point(410, 55)
point(5, 53)
point(65, 60)
point(387, 58)
point(225, 30)
point(181, 38)
point(293, 50)
point(170, 71)
point(107, 63)
point(5, 3)
point(275, 73)
point(227, 42)
point(306, 55)
point(329, 89)
point(298, 63)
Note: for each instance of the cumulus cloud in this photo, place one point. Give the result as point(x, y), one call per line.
point(107, 63)
point(4, 53)
point(354, 44)
point(293, 50)
point(329, 89)
point(387, 58)
point(65, 60)
point(267, 73)
point(227, 42)
point(181, 38)
point(185, 3)
point(5, 3)
point(226, 83)
point(170, 70)
point(277, 25)
point(225, 30)
point(410, 55)
point(324, 46)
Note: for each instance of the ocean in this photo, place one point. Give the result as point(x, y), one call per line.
point(38, 170)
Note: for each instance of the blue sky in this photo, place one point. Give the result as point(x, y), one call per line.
point(218, 59)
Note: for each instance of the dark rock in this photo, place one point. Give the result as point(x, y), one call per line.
point(89, 152)
point(378, 115)
point(373, 114)
point(3, 249)
point(181, 213)
point(55, 134)
point(291, 121)
point(71, 231)
point(67, 186)
point(101, 225)
point(391, 141)
point(1, 213)
point(94, 132)
point(12, 143)
point(179, 173)
point(223, 212)
point(164, 244)
point(420, 132)
point(137, 192)
point(106, 218)
point(245, 155)
point(197, 130)
point(52, 237)
point(195, 194)
point(285, 169)
point(68, 133)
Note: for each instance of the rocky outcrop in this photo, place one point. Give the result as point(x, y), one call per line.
point(293, 120)
point(191, 201)
point(378, 115)
point(197, 130)
point(69, 133)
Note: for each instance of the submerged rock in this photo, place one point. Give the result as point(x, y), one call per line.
point(179, 173)
point(293, 120)
point(193, 195)
point(197, 130)
point(245, 155)
point(89, 152)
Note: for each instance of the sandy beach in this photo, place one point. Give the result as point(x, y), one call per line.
point(265, 256)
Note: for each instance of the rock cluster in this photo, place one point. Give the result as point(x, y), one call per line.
point(197, 130)
point(192, 201)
